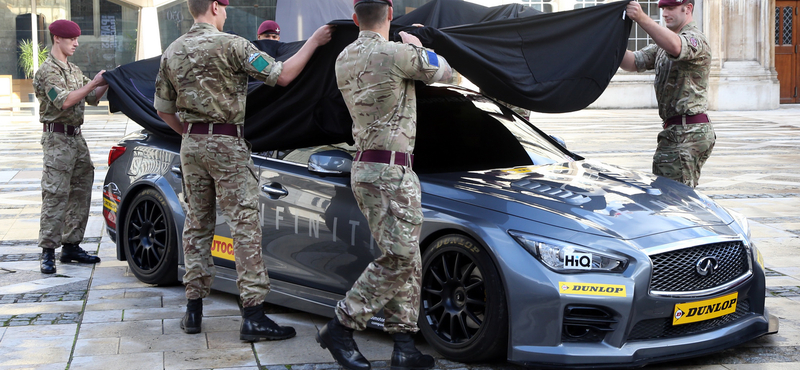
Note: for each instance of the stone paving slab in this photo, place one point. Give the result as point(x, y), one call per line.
point(138, 361)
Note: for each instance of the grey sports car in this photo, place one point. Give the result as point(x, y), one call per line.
point(529, 251)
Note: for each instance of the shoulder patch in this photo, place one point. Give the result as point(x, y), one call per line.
point(258, 62)
point(693, 41)
point(433, 59)
point(52, 94)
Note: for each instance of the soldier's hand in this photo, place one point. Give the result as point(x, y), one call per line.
point(322, 35)
point(99, 80)
point(410, 39)
point(634, 11)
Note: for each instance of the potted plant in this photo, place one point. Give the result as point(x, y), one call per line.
point(26, 56)
point(26, 63)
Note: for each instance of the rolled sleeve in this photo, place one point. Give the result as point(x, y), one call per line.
point(645, 59)
point(91, 98)
point(165, 106)
point(166, 96)
point(258, 64)
point(55, 89)
point(692, 47)
point(422, 64)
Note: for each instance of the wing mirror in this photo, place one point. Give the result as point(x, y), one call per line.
point(330, 163)
point(559, 140)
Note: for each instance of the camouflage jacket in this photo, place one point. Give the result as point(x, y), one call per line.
point(376, 78)
point(203, 75)
point(681, 82)
point(52, 83)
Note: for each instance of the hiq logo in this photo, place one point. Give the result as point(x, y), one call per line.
point(578, 261)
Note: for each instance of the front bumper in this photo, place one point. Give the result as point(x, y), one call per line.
point(545, 330)
point(641, 353)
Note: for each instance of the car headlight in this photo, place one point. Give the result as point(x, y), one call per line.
point(565, 257)
point(740, 220)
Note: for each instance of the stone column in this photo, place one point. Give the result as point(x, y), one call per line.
point(741, 34)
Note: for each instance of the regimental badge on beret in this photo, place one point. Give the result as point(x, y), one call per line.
point(65, 28)
point(269, 27)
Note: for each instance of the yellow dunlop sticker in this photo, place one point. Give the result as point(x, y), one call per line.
point(222, 247)
point(110, 204)
point(760, 258)
point(607, 290)
point(518, 170)
point(703, 310)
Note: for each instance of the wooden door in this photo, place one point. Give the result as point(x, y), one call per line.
point(787, 62)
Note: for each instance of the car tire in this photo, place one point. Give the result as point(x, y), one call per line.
point(463, 311)
point(148, 239)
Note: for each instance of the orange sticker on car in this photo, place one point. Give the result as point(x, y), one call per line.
point(608, 290)
point(222, 247)
point(685, 313)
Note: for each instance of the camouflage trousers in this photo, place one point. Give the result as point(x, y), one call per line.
point(67, 177)
point(390, 198)
point(218, 169)
point(682, 151)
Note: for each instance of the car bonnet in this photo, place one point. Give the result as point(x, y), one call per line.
point(585, 196)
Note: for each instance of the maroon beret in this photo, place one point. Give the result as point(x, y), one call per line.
point(356, 2)
point(269, 27)
point(64, 28)
point(663, 3)
point(223, 2)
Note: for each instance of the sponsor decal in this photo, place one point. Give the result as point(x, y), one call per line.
point(110, 205)
point(582, 261)
point(519, 170)
point(222, 247)
point(760, 258)
point(608, 290)
point(704, 310)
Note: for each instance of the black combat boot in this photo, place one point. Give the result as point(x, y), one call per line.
point(48, 261)
point(407, 357)
point(338, 339)
point(193, 318)
point(257, 326)
point(73, 252)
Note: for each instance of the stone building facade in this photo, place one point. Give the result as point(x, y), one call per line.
point(742, 33)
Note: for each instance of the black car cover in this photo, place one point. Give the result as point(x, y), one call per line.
point(548, 62)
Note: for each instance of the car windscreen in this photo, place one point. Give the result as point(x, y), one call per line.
point(458, 130)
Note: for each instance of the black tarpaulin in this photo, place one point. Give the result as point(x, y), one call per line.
point(550, 62)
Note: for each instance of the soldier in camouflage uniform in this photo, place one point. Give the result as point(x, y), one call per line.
point(376, 78)
point(201, 91)
point(68, 173)
point(682, 60)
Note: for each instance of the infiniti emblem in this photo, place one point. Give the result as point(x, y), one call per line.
point(706, 265)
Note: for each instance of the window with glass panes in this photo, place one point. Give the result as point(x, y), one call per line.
point(639, 38)
point(579, 4)
point(545, 6)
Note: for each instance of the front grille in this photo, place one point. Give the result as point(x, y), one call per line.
point(663, 328)
point(676, 271)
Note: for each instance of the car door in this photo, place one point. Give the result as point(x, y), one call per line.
point(313, 232)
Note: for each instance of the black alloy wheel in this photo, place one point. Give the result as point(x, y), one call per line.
point(148, 239)
point(463, 311)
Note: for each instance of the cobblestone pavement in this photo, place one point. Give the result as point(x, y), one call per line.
point(101, 317)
